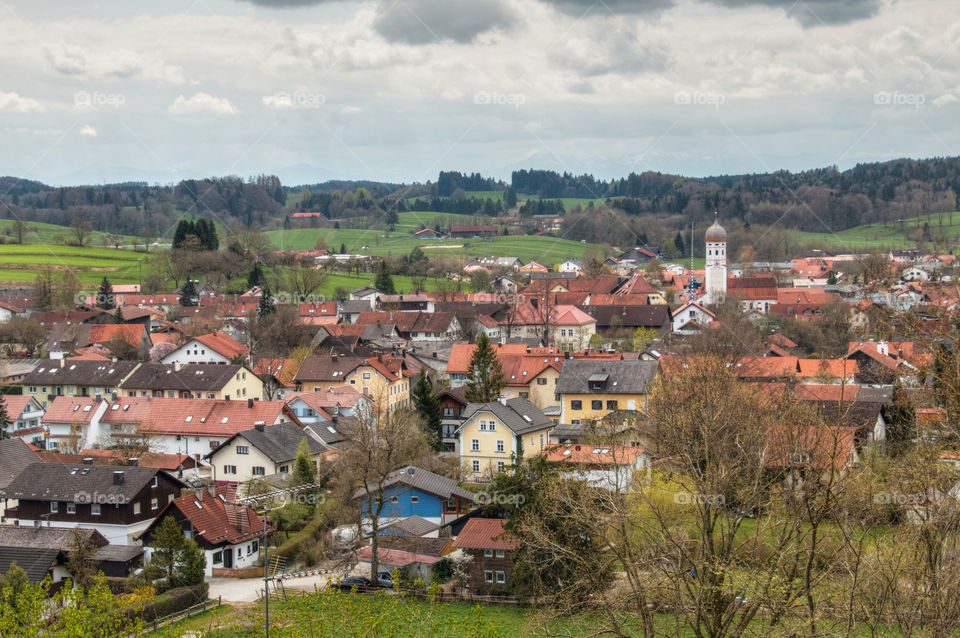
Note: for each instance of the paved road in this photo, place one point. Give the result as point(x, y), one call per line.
point(248, 590)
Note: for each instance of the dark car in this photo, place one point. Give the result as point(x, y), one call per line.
point(347, 584)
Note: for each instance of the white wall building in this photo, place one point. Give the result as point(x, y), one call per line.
point(716, 263)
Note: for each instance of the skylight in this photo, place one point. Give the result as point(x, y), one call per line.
point(224, 419)
point(189, 418)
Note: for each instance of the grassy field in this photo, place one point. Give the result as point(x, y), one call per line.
point(53, 234)
point(549, 250)
point(21, 262)
point(892, 237)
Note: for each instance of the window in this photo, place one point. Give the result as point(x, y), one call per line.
point(500, 466)
point(476, 467)
point(154, 503)
point(596, 404)
point(483, 425)
point(492, 425)
point(243, 449)
point(488, 553)
point(448, 412)
point(541, 440)
point(258, 470)
point(256, 546)
point(576, 404)
point(563, 333)
point(501, 553)
point(414, 500)
point(612, 404)
point(541, 381)
point(218, 558)
point(474, 445)
point(282, 468)
point(155, 482)
point(136, 509)
point(95, 509)
point(71, 508)
point(229, 469)
point(54, 507)
point(500, 446)
point(394, 499)
point(366, 376)
point(488, 576)
point(501, 577)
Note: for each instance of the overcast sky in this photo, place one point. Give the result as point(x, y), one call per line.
point(397, 90)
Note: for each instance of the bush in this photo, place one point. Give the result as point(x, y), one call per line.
point(174, 600)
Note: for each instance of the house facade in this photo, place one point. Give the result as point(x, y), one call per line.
point(76, 378)
point(590, 390)
point(261, 451)
point(119, 502)
point(413, 491)
point(493, 434)
point(492, 552)
point(193, 381)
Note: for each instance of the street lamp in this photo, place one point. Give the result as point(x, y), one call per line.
point(261, 502)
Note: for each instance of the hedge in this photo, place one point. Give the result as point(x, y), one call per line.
point(173, 601)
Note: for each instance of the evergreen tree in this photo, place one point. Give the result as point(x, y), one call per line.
point(81, 563)
point(118, 315)
point(189, 297)
point(266, 305)
point(105, 297)
point(168, 541)
point(485, 374)
point(428, 406)
point(831, 278)
point(255, 278)
point(304, 471)
point(180, 233)
point(679, 244)
point(4, 418)
point(343, 249)
point(191, 563)
point(384, 282)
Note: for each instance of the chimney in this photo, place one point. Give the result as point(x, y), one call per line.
point(258, 426)
point(249, 403)
point(503, 400)
point(118, 477)
point(62, 362)
point(87, 460)
point(177, 366)
point(133, 461)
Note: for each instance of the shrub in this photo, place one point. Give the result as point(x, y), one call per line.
point(174, 600)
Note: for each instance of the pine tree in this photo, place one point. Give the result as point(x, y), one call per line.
point(384, 282)
point(266, 305)
point(167, 542)
point(191, 563)
point(118, 315)
point(343, 249)
point(188, 294)
point(304, 471)
point(255, 278)
point(180, 233)
point(428, 406)
point(831, 278)
point(485, 374)
point(679, 244)
point(105, 298)
point(4, 418)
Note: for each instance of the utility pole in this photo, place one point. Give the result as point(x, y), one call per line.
point(262, 502)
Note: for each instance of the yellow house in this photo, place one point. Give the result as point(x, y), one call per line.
point(383, 378)
point(592, 389)
point(193, 381)
point(493, 434)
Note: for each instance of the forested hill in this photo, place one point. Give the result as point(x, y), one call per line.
point(816, 200)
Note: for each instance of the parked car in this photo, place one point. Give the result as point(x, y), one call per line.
point(347, 584)
point(384, 579)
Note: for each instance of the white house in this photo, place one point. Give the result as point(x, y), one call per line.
point(215, 347)
point(571, 265)
point(690, 317)
point(611, 467)
point(26, 419)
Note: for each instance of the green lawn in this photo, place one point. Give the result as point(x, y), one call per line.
point(21, 262)
point(52, 234)
point(549, 250)
point(887, 237)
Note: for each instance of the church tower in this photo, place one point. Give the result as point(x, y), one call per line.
point(716, 265)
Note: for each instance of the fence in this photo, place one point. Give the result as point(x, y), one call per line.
point(184, 614)
point(244, 572)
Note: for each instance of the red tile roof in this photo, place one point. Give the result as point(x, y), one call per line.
point(71, 410)
point(218, 521)
point(283, 370)
point(105, 333)
point(208, 417)
point(484, 533)
point(15, 404)
point(593, 455)
point(223, 344)
point(832, 368)
point(395, 557)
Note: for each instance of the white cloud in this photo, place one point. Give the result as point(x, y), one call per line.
point(15, 103)
point(943, 100)
point(115, 63)
point(88, 130)
point(201, 103)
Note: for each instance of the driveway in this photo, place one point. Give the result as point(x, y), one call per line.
point(249, 590)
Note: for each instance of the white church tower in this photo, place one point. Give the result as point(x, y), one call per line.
point(716, 265)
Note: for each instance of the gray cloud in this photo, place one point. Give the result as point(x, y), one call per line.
point(808, 13)
point(287, 4)
point(426, 21)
